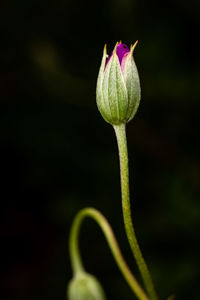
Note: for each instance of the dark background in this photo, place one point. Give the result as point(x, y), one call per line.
point(57, 155)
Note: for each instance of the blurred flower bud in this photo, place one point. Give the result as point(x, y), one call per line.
point(118, 85)
point(85, 287)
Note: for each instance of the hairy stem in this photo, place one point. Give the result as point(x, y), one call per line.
point(120, 131)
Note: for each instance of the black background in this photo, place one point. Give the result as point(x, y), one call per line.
point(58, 155)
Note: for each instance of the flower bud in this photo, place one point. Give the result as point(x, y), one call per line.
point(118, 85)
point(85, 287)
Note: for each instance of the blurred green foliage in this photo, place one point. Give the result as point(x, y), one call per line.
point(58, 155)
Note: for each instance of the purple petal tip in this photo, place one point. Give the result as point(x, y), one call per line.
point(121, 51)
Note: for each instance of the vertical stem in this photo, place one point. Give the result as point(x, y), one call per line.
point(120, 131)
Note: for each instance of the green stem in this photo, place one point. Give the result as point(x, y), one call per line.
point(77, 265)
point(120, 131)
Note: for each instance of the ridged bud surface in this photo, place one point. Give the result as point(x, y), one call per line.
point(118, 85)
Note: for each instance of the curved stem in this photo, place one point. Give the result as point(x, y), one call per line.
point(109, 235)
point(120, 131)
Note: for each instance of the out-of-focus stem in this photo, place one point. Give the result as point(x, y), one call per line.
point(76, 262)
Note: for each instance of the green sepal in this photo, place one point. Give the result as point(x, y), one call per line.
point(106, 114)
point(132, 82)
point(85, 286)
point(118, 88)
point(114, 91)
